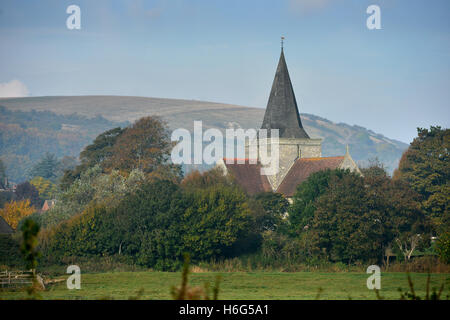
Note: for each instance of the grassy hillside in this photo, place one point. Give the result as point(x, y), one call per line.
point(364, 144)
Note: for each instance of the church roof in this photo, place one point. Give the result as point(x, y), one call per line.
point(302, 169)
point(5, 228)
point(249, 177)
point(282, 111)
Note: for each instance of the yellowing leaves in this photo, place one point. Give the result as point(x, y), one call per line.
point(14, 211)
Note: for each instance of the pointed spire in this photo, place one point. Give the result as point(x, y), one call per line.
point(282, 111)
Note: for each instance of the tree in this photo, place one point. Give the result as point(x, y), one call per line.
point(443, 247)
point(47, 189)
point(408, 244)
point(145, 145)
point(47, 167)
point(101, 149)
point(425, 166)
point(345, 228)
point(201, 180)
point(29, 245)
point(2, 175)
point(301, 213)
point(375, 168)
point(275, 207)
point(25, 191)
point(258, 220)
point(408, 226)
point(65, 164)
point(94, 154)
point(214, 220)
point(14, 211)
point(155, 224)
point(6, 196)
point(356, 218)
point(92, 187)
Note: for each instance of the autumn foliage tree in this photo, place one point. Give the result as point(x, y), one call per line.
point(200, 180)
point(94, 154)
point(14, 211)
point(145, 145)
point(46, 189)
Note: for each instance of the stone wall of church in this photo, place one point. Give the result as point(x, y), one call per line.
point(289, 151)
point(349, 163)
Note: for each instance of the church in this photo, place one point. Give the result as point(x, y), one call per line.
point(299, 155)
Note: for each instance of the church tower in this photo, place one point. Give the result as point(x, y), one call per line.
point(282, 114)
point(299, 156)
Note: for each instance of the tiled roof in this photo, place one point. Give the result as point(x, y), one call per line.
point(302, 169)
point(5, 228)
point(249, 177)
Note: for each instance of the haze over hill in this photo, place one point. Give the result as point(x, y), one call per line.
point(364, 144)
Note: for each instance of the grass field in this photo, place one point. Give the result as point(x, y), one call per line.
point(240, 285)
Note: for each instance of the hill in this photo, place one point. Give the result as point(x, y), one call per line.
point(364, 144)
point(25, 136)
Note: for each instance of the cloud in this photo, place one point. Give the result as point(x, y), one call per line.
point(14, 88)
point(306, 6)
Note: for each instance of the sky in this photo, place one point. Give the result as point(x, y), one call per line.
point(391, 80)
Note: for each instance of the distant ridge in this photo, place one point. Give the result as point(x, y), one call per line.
point(364, 144)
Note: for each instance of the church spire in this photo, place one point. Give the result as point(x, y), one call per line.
point(282, 111)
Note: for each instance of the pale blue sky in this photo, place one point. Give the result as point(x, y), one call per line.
point(391, 80)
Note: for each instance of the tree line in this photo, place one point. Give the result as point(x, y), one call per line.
point(125, 199)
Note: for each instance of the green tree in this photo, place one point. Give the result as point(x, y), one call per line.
point(214, 219)
point(46, 167)
point(154, 225)
point(275, 207)
point(443, 247)
point(425, 166)
point(345, 229)
point(301, 213)
point(29, 245)
point(356, 218)
point(406, 227)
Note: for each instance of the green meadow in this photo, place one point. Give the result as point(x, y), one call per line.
point(240, 285)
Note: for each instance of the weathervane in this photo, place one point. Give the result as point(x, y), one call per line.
point(282, 41)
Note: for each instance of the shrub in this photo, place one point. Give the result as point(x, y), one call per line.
point(443, 247)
